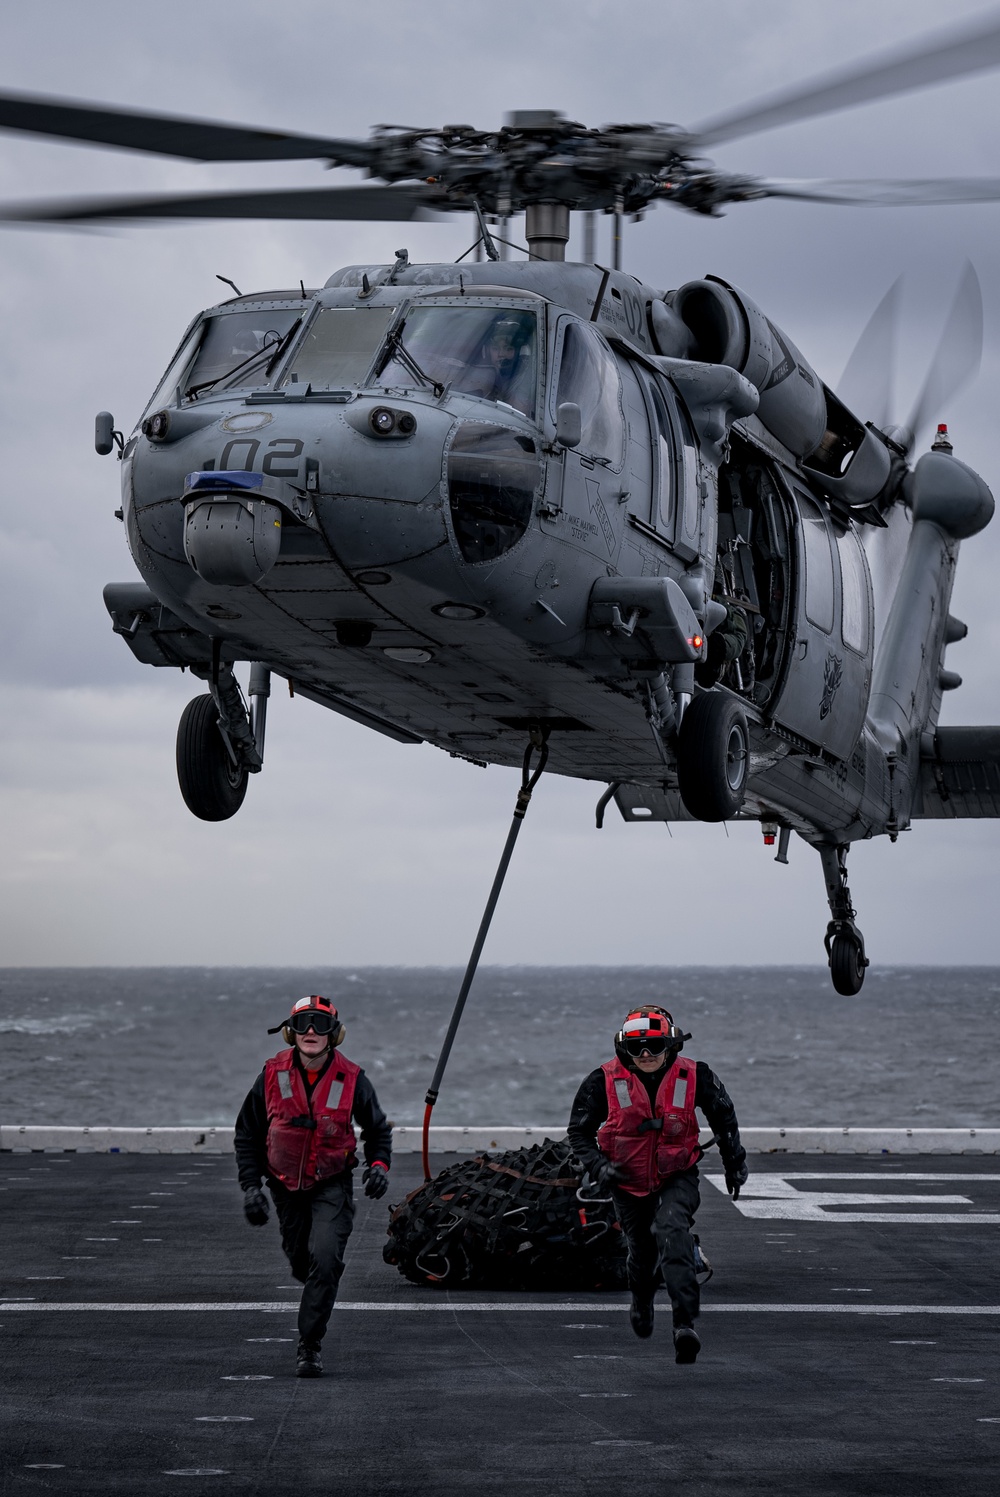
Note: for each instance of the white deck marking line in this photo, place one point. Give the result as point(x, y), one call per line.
point(496, 1307)
point(865, 1175)
point(774, 1198)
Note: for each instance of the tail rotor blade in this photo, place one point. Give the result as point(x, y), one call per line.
point(958, 353)
point(866, 384)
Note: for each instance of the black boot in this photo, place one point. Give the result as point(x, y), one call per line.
point(641, 1315)
point(687, 1344)
point(308, 1362)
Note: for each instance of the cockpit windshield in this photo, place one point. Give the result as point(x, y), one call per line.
point(230, 351)
point(236, 349)
point(339, 346)
point(484, 351)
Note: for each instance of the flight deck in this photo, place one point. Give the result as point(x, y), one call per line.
point(849, 1332)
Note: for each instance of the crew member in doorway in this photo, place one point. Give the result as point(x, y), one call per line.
point(727, 645)
point(295, 1130)
point(633, 1128)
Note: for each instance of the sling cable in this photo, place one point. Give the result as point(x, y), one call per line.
point(538, 744)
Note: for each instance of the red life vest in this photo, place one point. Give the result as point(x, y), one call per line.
point(309, 1138)
point(647, 1158)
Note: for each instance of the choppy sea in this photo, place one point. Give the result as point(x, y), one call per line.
point(181, 1045)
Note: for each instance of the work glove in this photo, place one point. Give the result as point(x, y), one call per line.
point(255, 1206)
point(606, 1175)
point(736, 1177)
point(376, 1181)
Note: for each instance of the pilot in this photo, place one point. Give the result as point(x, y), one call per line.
point(507, 370)
point(633, 1128)
point(294, 1129)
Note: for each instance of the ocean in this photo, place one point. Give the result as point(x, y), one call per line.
point(153, 1046)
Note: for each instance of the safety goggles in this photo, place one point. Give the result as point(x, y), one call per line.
point(651, 1044)
point(310, 1018)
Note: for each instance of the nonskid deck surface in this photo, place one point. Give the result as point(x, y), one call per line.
point(849, 1347)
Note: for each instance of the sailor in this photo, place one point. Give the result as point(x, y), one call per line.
point(633, 1128)
point(727, 643)
point(295, 1130)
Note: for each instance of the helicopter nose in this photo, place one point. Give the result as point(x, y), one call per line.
point(380, 497)
point(367, 475)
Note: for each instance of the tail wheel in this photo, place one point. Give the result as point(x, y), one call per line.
point(213, 787)
point(847, 963)
point(713, 757)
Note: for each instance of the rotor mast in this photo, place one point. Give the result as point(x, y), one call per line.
point(546, 227)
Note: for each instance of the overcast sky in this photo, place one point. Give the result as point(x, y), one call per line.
point(350, 848)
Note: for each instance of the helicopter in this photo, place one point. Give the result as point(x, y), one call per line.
point(476, 503)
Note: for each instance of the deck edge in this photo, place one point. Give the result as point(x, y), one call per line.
point(444, 1140)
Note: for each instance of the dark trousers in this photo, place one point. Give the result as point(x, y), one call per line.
point(657, 1232)
point(315, 1225)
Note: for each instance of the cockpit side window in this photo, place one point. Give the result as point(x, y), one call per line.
point(588, 377)
point(664, 439)
point(167, 391)
point(485, 351)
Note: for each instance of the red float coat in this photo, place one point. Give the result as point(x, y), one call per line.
point(309, 1138)
point(646, 1156)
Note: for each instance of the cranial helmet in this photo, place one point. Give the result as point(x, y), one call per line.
point(649, 1022)
point(316, 1012)
point(515, 326)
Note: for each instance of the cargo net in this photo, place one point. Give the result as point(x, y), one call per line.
point(518, 1220)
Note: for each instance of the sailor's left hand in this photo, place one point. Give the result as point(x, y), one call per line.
point(376, 1181)
point(736, 1178)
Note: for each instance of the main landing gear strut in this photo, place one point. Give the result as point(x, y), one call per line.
point(845, 945)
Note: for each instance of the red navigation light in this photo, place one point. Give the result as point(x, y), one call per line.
point(696, 641)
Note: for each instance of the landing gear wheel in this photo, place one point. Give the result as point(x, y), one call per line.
point(713, 757)
point(847, 961)
point(213, 787)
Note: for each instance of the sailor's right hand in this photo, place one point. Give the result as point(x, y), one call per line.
point(606, 1175)
point(255, 1206)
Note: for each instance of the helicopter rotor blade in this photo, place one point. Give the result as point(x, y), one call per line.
point(886, 192)
point(950, 54)
point(957, 357)
point(866, 384)
point(168, 135)
point(394, 203)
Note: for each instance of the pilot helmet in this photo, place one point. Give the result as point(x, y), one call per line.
point(512, 327)
point(651, 1028)
point(312, 1012)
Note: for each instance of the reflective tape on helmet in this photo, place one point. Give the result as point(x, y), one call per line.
point(314, 1001)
